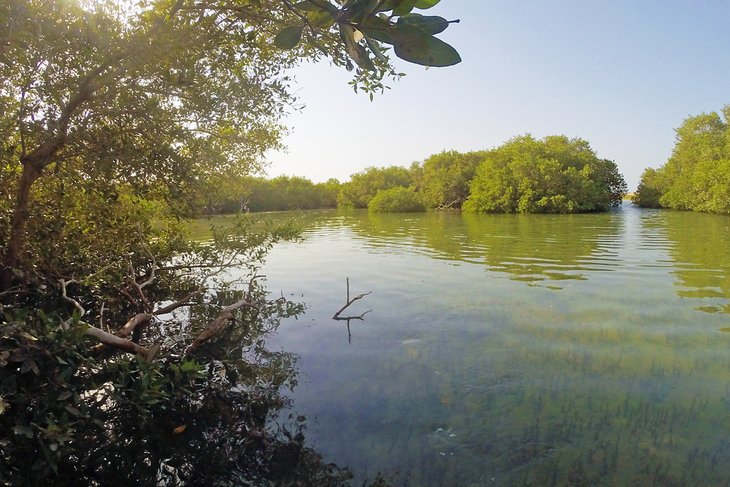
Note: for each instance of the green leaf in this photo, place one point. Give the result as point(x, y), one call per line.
point(378, 29)
point(404, 7)
point(288, 37)
point(28, 365)
point(376, 50)
point(424, 4)
point(430, 24)
point(357, 52)
point(416, 46)
point(317, 5)
point(363, 8)
point(307, 6)
point(320, 19)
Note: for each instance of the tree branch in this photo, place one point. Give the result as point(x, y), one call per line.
point(119, 343)
point(218, 324)
point(336, 316)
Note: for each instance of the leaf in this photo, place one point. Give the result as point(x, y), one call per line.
point(404, 7)
point(28, 365)
point(430, 24)
point(179, 429)
point(363, 8)
point(355, 50)
point(28, 336)
point(321, 19)
point(288, 37)
point(65, 395)
point(72, 410)
point(416, 46)
point(424, 4)
point(307, 6)
point(378, 29)
point(376, 50)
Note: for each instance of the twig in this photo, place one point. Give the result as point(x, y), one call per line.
point(336, 316)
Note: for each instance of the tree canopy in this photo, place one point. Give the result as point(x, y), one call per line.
point(551, 175)
point(697, 174)
point(166, 96)
point(445, 178)
point(364, 185)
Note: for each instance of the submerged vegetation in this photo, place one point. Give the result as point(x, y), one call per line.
point(697, 175)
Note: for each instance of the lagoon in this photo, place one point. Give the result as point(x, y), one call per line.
point(513, 349)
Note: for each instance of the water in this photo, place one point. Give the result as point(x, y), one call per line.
point(513, 349)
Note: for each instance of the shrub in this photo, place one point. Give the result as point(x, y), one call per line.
point(396, 200)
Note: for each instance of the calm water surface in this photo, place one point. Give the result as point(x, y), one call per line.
point(514, 350)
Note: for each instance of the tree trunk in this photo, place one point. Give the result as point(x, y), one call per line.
point(18, 225)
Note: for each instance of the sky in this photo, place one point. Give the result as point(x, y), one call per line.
point(620, 74)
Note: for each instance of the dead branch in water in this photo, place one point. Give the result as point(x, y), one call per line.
point(337, 316)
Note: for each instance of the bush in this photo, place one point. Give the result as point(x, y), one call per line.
point(551, 175)
point(396, 200)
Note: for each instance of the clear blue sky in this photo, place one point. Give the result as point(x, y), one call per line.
point(620, 74)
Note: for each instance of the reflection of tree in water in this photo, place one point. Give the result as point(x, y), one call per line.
point(543, 247)
point(702, 260)
point(209, 419)
point(529, 248)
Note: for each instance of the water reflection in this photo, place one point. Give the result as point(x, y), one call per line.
point(700, 250)
point(529, 248)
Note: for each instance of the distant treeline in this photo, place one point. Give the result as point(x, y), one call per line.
point(555, 174)
point(697, 175)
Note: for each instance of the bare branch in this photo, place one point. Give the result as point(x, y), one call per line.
point(218, 324)
point(135, 322)
point(69, 299)
point(119, 343)
point(349, 302)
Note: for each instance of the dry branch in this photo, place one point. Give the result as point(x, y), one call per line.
point(218, 324)
point(336, 316)
point(119, 343)
point(135, 322)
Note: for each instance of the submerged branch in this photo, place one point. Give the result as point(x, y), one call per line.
point(218, 324)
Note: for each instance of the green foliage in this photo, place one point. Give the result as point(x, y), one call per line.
point(364, 26)
point(552, 175)
point(74, 413)
point(363, 186)
point(396, 200)
point(291, 193)
point(74, 417)
point(445, 179)
point(697, 175)
point(649, 191)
